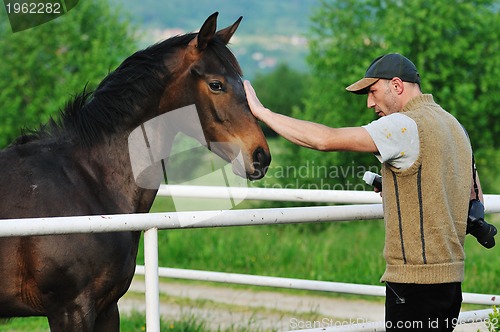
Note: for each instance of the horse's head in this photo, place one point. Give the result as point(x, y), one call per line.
point(208, 75)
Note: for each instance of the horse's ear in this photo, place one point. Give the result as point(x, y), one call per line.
point(227, 33)
point(207, 32)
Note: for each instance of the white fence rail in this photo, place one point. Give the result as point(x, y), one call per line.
point(199, 219)
point(151, 222)
point(491, 202)
point(302, 284)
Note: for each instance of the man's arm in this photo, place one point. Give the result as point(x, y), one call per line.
point(310, 134)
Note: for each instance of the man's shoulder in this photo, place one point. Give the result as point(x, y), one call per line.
point(392, 120)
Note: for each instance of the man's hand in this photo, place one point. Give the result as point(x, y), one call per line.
point(255, 105)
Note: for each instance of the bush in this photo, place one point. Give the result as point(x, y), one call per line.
point(493, 323)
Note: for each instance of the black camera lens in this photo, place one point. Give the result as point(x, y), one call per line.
point(478, 227)
point(484, 233)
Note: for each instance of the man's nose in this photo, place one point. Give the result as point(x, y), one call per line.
point(369, 102)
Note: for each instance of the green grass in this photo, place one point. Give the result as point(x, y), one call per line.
point(344, 252)
point(31, 324)
point(340, 252)
point(135, 322)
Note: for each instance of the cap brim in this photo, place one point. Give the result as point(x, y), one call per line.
point(361, 86)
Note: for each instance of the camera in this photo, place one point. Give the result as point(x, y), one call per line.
point(478, 227)
point(373, 179)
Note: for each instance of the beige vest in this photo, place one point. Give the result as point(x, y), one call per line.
point(426, 206)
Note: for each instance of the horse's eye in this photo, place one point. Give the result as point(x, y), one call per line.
point(216, 86)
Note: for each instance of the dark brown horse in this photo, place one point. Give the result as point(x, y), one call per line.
point(80, 165)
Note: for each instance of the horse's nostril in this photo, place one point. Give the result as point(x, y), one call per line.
point(259, 156)
point(261, 161)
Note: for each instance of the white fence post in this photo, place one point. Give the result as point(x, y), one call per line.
point(152, 282)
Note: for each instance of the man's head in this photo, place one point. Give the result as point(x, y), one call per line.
point(390, 82)
point(386, 67)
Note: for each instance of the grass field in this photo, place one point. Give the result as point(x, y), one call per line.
point(130, 323)
point(344, 252)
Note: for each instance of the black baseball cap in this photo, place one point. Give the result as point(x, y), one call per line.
point(387, 67)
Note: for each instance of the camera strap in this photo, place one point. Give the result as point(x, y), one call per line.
point(474, 171)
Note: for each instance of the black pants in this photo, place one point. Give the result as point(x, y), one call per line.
point(412, 307)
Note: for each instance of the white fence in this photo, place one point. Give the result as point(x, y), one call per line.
point(151, 222)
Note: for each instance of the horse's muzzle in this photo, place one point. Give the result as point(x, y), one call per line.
point(261, 161)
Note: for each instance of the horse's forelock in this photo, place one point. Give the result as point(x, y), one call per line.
point(226, 56)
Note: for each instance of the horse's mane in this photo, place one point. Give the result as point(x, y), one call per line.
point(137, 83)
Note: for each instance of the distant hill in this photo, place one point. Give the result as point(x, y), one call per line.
point(272, 31)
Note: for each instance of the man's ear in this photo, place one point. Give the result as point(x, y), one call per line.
point(397, 85)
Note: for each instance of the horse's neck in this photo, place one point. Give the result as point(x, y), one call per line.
point(129, 164)
point(109, 164)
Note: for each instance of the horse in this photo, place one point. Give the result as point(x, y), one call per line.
point(79, 164)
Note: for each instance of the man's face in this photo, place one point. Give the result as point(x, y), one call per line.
point(383, 99)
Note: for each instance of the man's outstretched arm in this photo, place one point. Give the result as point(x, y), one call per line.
point(310, 134)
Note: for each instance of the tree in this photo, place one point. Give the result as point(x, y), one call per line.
point(282, 90)
point(45, 66)
point(453, 44)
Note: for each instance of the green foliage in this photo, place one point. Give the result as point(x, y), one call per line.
point(454, 45)
point(493, 322)
point(45, 66)
point(282, 90)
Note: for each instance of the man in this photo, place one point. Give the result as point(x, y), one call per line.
point(426, 172)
